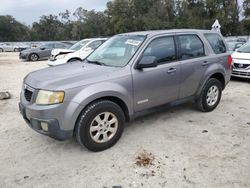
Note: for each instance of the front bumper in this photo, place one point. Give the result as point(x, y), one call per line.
point(23, 56)
point(57, 62)
point(53, 130)
point(241, 73)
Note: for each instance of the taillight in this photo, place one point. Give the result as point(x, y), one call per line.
point(230, 61)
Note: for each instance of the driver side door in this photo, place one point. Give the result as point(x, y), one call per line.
point(157, 85)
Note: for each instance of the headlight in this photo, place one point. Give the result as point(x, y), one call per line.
point(60, 56)
point(49, 97)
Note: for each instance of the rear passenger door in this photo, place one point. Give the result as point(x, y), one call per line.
point(157, 85)
point(193, 63)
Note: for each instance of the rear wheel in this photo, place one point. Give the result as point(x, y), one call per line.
point(1, 50)
point(210, 95)
point(100, 125)
point(33, 57)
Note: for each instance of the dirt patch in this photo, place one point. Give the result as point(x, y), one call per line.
point(144, 159)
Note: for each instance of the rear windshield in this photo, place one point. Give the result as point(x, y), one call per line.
point(216, 43)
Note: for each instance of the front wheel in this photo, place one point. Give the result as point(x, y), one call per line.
point(100, 125)
point(210, 95)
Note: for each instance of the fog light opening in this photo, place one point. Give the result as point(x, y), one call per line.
point(45, 126)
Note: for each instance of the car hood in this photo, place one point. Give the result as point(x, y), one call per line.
point(238, 55)
point(69, 76)
point(61, 51)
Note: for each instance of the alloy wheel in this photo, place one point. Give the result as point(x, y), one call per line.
point(104, 127)
point(212, 95)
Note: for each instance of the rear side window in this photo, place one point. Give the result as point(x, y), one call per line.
point(190, 46)
point(216, 43)
point(60, 46)
point(163, 49)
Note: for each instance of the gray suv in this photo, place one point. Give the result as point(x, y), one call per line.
point(128, 74)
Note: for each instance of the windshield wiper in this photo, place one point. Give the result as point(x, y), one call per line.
point(96, 62)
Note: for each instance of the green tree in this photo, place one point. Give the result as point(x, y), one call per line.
point(246, 21)
point(48, 28)
point(12, 30)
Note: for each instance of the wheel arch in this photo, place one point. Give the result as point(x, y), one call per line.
point(114, 99)
point(74, 58)
point(217, 75)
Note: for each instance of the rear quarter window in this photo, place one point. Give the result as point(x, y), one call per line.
point(216, 43)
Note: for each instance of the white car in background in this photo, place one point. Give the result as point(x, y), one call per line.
point(241, 62)
point(78, 51)
point(8, 47)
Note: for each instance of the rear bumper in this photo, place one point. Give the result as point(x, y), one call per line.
point(53, 130)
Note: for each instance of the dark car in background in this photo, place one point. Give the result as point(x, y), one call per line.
point(43, 51)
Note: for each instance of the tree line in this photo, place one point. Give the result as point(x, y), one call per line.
point(131, 15)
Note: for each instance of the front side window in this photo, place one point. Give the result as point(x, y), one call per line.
point(190, 46)
point(216, 43)
point(117, 51)
point(163, 49)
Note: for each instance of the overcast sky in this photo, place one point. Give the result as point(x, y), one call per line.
point(28, 11)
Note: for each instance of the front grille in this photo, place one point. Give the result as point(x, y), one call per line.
point(241, 73)
point(241, 66)
point(28, 92)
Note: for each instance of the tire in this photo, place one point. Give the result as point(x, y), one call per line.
point(33, 57)
point(94, 140)
point(210, 95)
point(1, 50)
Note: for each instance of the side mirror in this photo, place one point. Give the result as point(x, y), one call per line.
point(147, 62)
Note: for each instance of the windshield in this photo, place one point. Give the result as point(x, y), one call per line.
point(79, 44)
point(117, 51)
point(245, 48)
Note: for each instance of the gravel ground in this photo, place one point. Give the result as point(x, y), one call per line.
point(185, 148)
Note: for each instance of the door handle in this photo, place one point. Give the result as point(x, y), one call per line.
point(205, 63)
point(171, 70)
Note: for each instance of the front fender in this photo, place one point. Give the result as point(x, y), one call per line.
point(96, 91)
